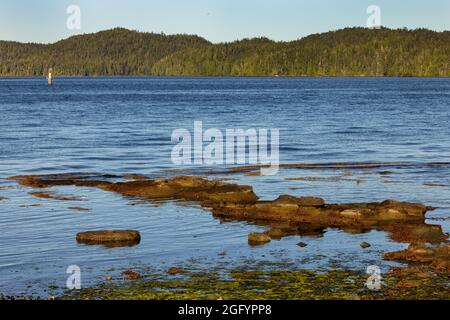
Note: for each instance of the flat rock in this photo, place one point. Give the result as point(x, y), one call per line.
point(109, 236)
point(300, 201)
point(190, 188)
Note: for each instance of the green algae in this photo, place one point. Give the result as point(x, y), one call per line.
point(240, 284)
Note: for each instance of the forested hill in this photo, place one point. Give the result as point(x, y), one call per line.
point(112, 52)
point(346, 52)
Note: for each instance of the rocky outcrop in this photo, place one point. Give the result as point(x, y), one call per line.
point(288, 209)
point(185, 187)
point(436, 258)
point(404, 221)
point(240, 202)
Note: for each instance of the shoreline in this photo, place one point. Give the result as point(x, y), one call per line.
point(273, 284)
point(224, 76)
point(259, 280)
point(420, 276)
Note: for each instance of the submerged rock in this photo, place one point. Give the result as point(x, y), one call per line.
point(110, 237)
point(63, 179)
point(257, 239)
point(52, 196)
point(365, 245)
point(132, 275)
point(174, 271)
point(81, 209)
point(416, 232)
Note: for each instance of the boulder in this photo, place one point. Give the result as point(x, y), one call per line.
point(109, 236)
point(257, 239)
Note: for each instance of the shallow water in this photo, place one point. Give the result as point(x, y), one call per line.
point(124, 125)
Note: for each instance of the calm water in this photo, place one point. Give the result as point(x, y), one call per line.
point(124, 125)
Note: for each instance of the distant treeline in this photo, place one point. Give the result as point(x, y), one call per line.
point(346, 52)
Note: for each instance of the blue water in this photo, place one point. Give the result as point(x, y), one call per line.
point(124, 125)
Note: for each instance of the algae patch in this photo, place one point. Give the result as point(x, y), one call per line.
point(267, 285)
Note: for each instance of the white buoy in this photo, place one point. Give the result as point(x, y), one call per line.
point(50, 77)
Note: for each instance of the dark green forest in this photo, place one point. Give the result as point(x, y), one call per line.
point(346, 52)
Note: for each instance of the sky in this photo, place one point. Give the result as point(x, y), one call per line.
point(45, 21)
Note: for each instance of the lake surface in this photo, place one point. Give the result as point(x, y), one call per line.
point(124, 125)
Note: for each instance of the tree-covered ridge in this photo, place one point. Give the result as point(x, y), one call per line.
point(346, 52)
point(112, 52)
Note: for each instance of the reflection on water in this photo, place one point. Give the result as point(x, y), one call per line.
point(123, 125)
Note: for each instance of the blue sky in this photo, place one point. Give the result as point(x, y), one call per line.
point(216, 20)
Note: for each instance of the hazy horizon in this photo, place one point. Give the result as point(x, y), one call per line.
point(215, 20)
